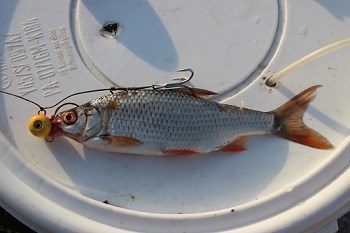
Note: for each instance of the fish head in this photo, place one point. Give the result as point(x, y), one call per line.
point(79, 123)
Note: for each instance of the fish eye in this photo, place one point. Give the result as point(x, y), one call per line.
point(69, 118)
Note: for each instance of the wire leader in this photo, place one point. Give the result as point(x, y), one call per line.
point(178, 82)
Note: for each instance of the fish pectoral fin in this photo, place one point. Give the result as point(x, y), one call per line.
point(194, 91)
point(236, 145)
point(121, 141)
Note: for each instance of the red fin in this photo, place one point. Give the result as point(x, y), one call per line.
point(195, 91)
point(289, 121)
point(236, 145)
point(180, 152)
point(121, 141)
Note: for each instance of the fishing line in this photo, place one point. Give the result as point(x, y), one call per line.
point(21, 97)
point(178, 82)
point(62, 105)
point(272, 81)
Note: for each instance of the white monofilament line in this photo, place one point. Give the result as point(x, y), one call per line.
point(272, 81)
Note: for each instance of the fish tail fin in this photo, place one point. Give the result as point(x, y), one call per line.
point(289, 121)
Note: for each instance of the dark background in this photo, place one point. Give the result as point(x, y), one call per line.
point(9, 224)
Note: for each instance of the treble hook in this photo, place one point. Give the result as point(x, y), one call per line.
point(175, 82)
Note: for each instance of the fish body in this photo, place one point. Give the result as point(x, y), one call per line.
point(178, 122)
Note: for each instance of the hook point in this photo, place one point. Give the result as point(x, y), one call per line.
point(187, 70)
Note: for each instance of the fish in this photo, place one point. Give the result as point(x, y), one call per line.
point(180, 121)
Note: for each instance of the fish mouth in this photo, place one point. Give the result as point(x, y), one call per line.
point(55, 127)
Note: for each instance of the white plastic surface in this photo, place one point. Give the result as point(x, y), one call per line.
point(51, 51)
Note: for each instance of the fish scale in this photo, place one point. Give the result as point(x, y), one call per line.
point(166, 119)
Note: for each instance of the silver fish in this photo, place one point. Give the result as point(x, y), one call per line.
point(180, 122)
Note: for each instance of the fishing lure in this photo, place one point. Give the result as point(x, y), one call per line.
point(173, 119)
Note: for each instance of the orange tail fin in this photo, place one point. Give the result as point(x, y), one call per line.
point(289, 121)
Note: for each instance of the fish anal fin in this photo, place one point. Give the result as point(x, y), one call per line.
point(179, 152)
point(289, 123)
point(194, 91)
point(236, 145)
point(121, 141)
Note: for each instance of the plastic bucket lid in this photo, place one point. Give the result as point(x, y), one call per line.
point(54, 49)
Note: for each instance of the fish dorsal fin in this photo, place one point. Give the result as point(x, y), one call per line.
point(198, 92)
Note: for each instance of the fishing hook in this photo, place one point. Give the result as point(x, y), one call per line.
point(177, 82)
point(185, 80)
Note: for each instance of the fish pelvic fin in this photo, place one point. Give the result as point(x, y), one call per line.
point(180, 152)
point(289, 123)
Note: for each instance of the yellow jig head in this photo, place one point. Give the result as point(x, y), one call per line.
point(40, 125)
